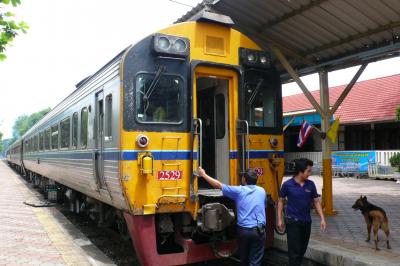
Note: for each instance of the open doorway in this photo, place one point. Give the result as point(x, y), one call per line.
point(212, 109)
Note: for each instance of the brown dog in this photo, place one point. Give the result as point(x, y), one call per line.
point(374, 216)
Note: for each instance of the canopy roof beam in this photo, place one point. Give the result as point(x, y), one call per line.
point(376, 54)
point(348, 88)
point(353, 38)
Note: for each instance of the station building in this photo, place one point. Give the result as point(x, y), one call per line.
point(367, 120)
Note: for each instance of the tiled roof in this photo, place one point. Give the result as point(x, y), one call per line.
point(369, 101)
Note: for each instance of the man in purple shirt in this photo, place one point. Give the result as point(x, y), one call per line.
point(250, 202)
point(300, 194)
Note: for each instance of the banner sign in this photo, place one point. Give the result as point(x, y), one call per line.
point(353, 160)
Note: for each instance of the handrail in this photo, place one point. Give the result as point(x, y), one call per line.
point(197, 131)
point(199, 124)
point(245, 146)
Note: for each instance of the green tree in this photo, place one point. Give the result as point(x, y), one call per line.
point(398, 113)
point(9, 28)
point(6, 143)
point(25, 122)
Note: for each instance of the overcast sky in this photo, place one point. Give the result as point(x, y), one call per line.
point(69, 40)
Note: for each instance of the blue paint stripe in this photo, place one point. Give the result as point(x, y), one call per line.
point(158, 155)
point(263, 154)
point(256, 154)
point(108, 155)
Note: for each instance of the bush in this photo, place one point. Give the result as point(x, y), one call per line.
point(395, 161)
point(398, 113)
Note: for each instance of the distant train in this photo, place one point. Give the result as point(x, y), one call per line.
point(124, 146)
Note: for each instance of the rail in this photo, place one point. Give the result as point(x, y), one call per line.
point(197, 132)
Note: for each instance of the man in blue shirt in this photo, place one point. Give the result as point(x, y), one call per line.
point(300, 194)
point(250, 202)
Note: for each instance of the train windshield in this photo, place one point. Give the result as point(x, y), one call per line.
point(260, 104)
point(159, 98)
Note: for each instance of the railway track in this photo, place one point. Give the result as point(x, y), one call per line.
point(121, 251)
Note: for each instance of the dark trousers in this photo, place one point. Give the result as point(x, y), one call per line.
point(298, 235)
point(251, 246)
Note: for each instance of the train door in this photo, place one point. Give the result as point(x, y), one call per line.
point(213, 91)
point(99, 140)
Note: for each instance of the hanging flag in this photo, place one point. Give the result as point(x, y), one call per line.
point(305, 131)
point(332, 132)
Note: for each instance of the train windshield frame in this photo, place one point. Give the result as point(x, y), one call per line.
point(260, 102)
point(159, 99)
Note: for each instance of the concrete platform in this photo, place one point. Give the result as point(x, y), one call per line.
point(344, 241)
point(38, 236)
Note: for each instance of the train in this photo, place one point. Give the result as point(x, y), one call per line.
point(124, 146)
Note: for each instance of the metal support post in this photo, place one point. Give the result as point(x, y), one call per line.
point(326, 144)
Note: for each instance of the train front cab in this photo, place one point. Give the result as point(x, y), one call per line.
point(221, 108)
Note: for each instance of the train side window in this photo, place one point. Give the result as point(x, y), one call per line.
point(54, 137)
point(84, 127)
point(64, 133)
point(41, 140)
point(75, 130)
point(108, 118)
point(220, 116)
point(47, 135)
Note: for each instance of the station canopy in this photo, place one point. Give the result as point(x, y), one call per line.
point(315, 34)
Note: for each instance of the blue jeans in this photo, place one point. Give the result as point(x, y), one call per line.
point(251, 246)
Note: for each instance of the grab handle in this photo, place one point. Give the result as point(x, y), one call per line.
point(245, 146)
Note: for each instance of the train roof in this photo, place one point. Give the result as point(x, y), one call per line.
point(78, 87)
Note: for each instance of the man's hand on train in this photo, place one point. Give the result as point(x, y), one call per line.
point(201, 172)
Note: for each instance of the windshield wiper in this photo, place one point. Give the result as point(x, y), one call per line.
point(154, 83)
point(254, 93)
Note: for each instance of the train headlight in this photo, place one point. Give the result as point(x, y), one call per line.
point(263, 59)
point(251, 58)
point(142, 141)
point(163, 43)
point(254, 58)
point(274, 142)
point(180, 46)
point(169, 45)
